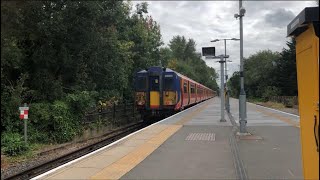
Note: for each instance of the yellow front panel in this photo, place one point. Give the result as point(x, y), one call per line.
point(154, 99)
point(169, 98)
point(307, 53)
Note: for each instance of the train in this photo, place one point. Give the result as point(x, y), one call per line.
point(160, 91)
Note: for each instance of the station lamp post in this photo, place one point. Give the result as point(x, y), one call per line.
point(242, 96)
point(226, 73)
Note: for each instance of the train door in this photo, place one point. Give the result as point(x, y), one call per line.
point(197, 98)
point(185, 93)
point(154, 84)
point(189, 94)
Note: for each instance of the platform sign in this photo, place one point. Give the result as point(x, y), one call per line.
point(208, 51)
point(24, 111)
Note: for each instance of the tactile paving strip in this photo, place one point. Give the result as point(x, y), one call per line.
point(201, 137)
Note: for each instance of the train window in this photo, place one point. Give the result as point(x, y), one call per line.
point(168, 83)
point(185, 87)
point(141, 83)
point(192, 89)
point(154, 83)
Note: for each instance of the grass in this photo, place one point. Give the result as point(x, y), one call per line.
point(31, 153)
point(270, 104)
point(274, 105)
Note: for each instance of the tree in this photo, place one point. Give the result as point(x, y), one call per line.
point(286, 72)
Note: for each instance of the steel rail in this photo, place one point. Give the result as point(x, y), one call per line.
point(46, 166)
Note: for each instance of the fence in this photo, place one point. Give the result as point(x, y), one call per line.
point(288, 101)
point(117, 114)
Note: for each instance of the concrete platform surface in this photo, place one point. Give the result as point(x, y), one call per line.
point(194, 144)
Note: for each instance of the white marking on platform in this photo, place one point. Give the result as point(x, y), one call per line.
point(201, 137)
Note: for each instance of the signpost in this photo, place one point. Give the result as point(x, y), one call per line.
point(209, 53)
point(24, 111)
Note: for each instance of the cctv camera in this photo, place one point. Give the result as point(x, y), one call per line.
point(242, 11)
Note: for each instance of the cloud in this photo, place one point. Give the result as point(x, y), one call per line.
point(264, 24)
point(279, 18)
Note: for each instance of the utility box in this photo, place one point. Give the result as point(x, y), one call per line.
point(305, 29)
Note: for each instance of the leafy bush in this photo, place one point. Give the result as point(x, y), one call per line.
point(41, 124)
point(66, 126)
point(79, 102)
point(270, 91)
point(289, 102)
point(13, 144)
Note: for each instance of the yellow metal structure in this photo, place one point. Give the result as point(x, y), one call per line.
point(305, 29)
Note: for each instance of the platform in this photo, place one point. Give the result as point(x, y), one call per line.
point(194, 144)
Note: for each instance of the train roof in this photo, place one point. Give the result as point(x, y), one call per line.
point(185, 77)
point(170, 70)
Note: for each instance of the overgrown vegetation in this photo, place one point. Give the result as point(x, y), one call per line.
point(268, 74)
point(63, 57)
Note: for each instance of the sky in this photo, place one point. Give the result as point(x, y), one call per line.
point(264, 25)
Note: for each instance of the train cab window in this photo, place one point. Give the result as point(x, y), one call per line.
point(168, 83)
point(185, 89)
point(154, 83)
point(141, 83)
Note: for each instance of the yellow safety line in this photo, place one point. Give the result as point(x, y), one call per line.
point(289, 121)
point(119, 168)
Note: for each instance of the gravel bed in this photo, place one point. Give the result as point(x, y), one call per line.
point(46, 155)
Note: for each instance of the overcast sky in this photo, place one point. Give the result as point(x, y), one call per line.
point(265, 24)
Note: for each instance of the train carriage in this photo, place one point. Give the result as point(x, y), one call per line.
point(162, 91)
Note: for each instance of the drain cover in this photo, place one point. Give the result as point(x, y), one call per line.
point(201, 137)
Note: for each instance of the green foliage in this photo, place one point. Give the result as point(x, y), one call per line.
point(184, 59)
point(40, 123)
point(13, 144)
point(268, 74)
point(80, 102)
point(62, 57)
point(286, 71)
point(64, 125)
point(234, 84)
point(11, 98)
point(268, 92)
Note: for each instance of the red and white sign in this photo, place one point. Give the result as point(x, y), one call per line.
point(24, 111)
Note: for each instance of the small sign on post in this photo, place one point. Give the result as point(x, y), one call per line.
point(24, 111)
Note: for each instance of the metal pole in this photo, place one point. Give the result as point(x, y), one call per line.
point(225, 59)
point(227, 95)
point(25, 127)
point(222, 89)
point(242, 96)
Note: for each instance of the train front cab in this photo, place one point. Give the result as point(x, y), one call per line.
point(171, 91)
point(305, 29)
point(141, 89)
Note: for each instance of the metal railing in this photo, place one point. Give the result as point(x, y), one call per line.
point(116, 114)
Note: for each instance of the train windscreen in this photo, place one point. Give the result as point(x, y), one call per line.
point(141, 83)
point(169, 83)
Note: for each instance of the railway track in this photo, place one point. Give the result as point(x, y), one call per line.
point(44, 167)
